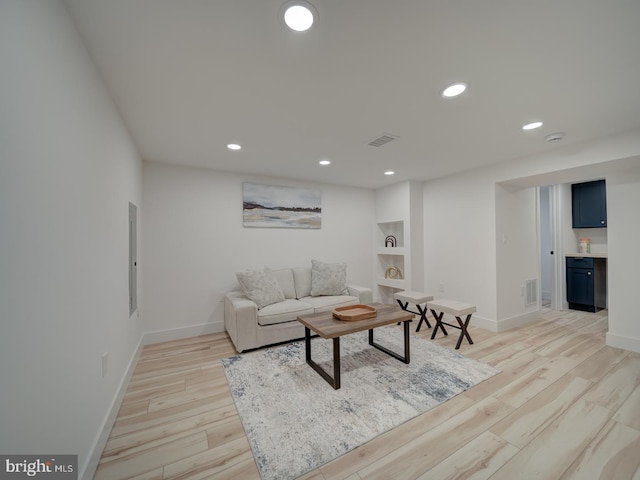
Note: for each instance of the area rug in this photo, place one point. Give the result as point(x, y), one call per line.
point(296, 422)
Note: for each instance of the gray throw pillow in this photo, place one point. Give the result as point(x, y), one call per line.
point(328, 278)
point(261, 286)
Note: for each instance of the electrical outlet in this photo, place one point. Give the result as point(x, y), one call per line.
point(105, 362)
point(441, 287)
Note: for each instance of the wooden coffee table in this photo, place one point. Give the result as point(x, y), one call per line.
point(328, 327)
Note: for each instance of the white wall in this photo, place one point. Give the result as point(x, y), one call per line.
point(68, 170)
point(392, 203)
point(516, 250)
point(460, 241)
point(195, 242)
point(461, 209)
point(417, 236)
point(623, 222)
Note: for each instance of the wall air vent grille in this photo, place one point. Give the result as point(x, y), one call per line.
point(382, 140)
point(531, 292)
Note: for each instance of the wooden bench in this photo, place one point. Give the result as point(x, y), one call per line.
point(457, 309)
point(406, 297)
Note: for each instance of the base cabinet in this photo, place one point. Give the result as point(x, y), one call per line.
point(586, 283)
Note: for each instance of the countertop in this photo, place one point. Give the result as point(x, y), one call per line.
point(586, 255)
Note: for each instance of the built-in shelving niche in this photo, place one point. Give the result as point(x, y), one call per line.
point(390, 256)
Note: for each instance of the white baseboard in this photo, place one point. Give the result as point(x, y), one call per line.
point(485, 323)
point(517, 321)
point(182, 332)
point(626, 343)
point(89, 468)
point(496, 326)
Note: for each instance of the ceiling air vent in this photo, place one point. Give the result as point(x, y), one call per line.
point(554, 137)
point(381, 140)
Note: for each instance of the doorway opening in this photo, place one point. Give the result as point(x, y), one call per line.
point(546, 246)
point(549, 231)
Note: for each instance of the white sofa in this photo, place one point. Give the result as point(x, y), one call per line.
point(252, 327)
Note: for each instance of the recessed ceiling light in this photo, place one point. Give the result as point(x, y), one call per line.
point(233, 146)
point(389, 172)
point(454, 90)
point(299, 15)
point(532, 126)
point(325, 162)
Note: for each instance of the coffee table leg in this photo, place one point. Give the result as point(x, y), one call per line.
point(335, 381)
point(407, 354)
point(336, 363)
point(307, 344)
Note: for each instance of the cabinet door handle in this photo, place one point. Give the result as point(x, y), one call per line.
point(602, 222)
point(588, 273)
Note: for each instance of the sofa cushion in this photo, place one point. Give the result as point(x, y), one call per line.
point(285, 280)
point(302, 278)
point(261, 286)
point(285, 311)
point(329, 302)
point(328, 278)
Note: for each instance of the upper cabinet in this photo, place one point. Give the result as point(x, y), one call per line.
point(589, 203)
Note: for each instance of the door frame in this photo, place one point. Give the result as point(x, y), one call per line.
point(557, 265)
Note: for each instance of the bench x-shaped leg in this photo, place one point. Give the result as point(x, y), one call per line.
point(463, 331)
point(439, 324)
point(421, 311)
point(462, 326)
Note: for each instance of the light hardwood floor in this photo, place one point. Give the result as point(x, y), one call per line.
point(565, 407)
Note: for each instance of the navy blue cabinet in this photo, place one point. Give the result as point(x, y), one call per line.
point(586, 283)
point(589, 204)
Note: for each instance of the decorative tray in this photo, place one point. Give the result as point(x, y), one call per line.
point(351, 313)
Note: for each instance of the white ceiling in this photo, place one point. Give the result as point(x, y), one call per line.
point(190, 76)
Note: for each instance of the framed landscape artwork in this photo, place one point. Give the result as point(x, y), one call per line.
point(272, 206)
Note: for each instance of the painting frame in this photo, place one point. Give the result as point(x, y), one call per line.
point(279, 206)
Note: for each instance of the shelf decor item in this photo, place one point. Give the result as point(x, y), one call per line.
point(390, 241)
point(584, 245)
point(393, 273)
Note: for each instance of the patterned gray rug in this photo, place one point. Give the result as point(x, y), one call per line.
point(296, 422)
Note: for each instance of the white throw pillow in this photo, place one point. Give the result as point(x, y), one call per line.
point(285, 280)
point(261, 286)
point(328, 278)
point(302, 279)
